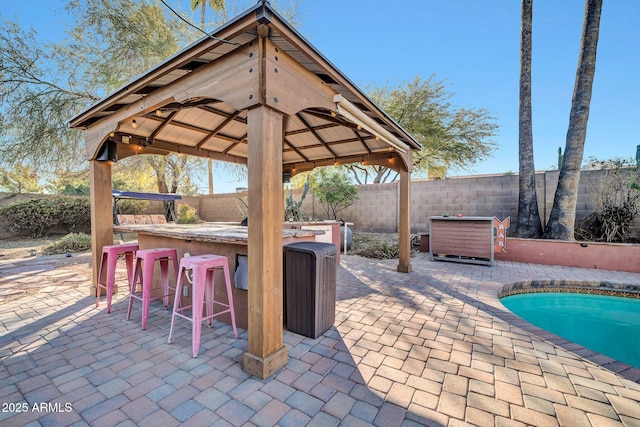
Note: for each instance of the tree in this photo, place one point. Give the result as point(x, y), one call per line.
point(216, 5)
point(528, 224)
point(334, 190)
point(35, 101)
point(43, 85)
point(563, 213)
point(112, 40)
point(172, 172)
point(69, 183)
point(450, 136)
point(20, 179)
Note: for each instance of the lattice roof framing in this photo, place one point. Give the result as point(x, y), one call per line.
point(197, 101)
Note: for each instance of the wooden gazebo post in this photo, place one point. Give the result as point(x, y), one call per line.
point(101, 213)
point(404, 226)
point(266, 352)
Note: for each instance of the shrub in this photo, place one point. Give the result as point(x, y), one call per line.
point(187, 215)
point(39, 217)
point(373, 247)
point(132, 206)
point(73, 242)
point(380, 245)
point(75, 213)
point(617, 203)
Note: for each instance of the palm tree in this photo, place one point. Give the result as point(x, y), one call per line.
point(528, 224)
point(563, 214)
point(218, 6)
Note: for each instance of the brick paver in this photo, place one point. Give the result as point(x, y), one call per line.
point(433, 347)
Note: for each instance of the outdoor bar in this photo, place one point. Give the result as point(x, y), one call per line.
point(252, 92)
point(226, 239)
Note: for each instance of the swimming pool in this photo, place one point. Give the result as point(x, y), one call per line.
point(609, 325)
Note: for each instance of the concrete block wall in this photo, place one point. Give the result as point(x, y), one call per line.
point(377, 207)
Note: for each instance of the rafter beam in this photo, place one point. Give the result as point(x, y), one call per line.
point(316, 135)
point(163, 125)
point(218, 128)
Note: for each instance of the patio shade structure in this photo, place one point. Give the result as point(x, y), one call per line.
point(253, 92)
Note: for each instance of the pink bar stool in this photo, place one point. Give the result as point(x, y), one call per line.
point(202, 267)
point(145, 261)
point(108, 263)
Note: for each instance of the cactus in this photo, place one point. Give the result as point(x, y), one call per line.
point(560, 157)
point(292, 209)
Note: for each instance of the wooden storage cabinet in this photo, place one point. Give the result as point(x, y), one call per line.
point(461, 239)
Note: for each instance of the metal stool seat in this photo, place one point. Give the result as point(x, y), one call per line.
point(107, 271)
point(145, 262)
point(203, 267)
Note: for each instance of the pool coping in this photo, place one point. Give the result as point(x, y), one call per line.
point(576, 286)
point(573, 286)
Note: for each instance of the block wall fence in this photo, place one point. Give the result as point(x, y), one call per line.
point(377, 207)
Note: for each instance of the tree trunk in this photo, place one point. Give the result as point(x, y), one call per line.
point(528, 224)
point(563, 214)
point(210, 168)
point(204, 6)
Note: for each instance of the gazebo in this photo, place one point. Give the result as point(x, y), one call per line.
point(254, 92)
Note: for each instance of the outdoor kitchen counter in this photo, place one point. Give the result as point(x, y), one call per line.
point(216, 232)
point(226, 239)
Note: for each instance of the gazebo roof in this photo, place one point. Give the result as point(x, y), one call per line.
point(152, 114)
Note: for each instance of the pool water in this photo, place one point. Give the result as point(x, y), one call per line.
point(606, 324)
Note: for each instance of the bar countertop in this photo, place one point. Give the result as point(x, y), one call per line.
point(219, 232)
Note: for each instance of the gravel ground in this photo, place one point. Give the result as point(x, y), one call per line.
point(23, 247)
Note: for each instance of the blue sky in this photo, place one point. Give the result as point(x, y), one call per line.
point(474, 47)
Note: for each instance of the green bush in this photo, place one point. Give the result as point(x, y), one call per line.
point(73, 242)
point(39, 217)
point(334, 190)
point(187, 215)
point(132, 206)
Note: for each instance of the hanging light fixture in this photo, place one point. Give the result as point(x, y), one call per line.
point(134, 124)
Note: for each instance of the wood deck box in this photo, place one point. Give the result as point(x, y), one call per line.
point(461, 239)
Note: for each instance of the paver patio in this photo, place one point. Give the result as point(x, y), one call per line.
point(433, 347)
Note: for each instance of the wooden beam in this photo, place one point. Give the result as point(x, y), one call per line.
point(316, 135)
point(192, 52)
point(388, 159)
point(101, 214)
point(266, 352)
point(333, 74)
point(290, 87)
point(232, 79)
point(404, 226)
point(218, 128)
